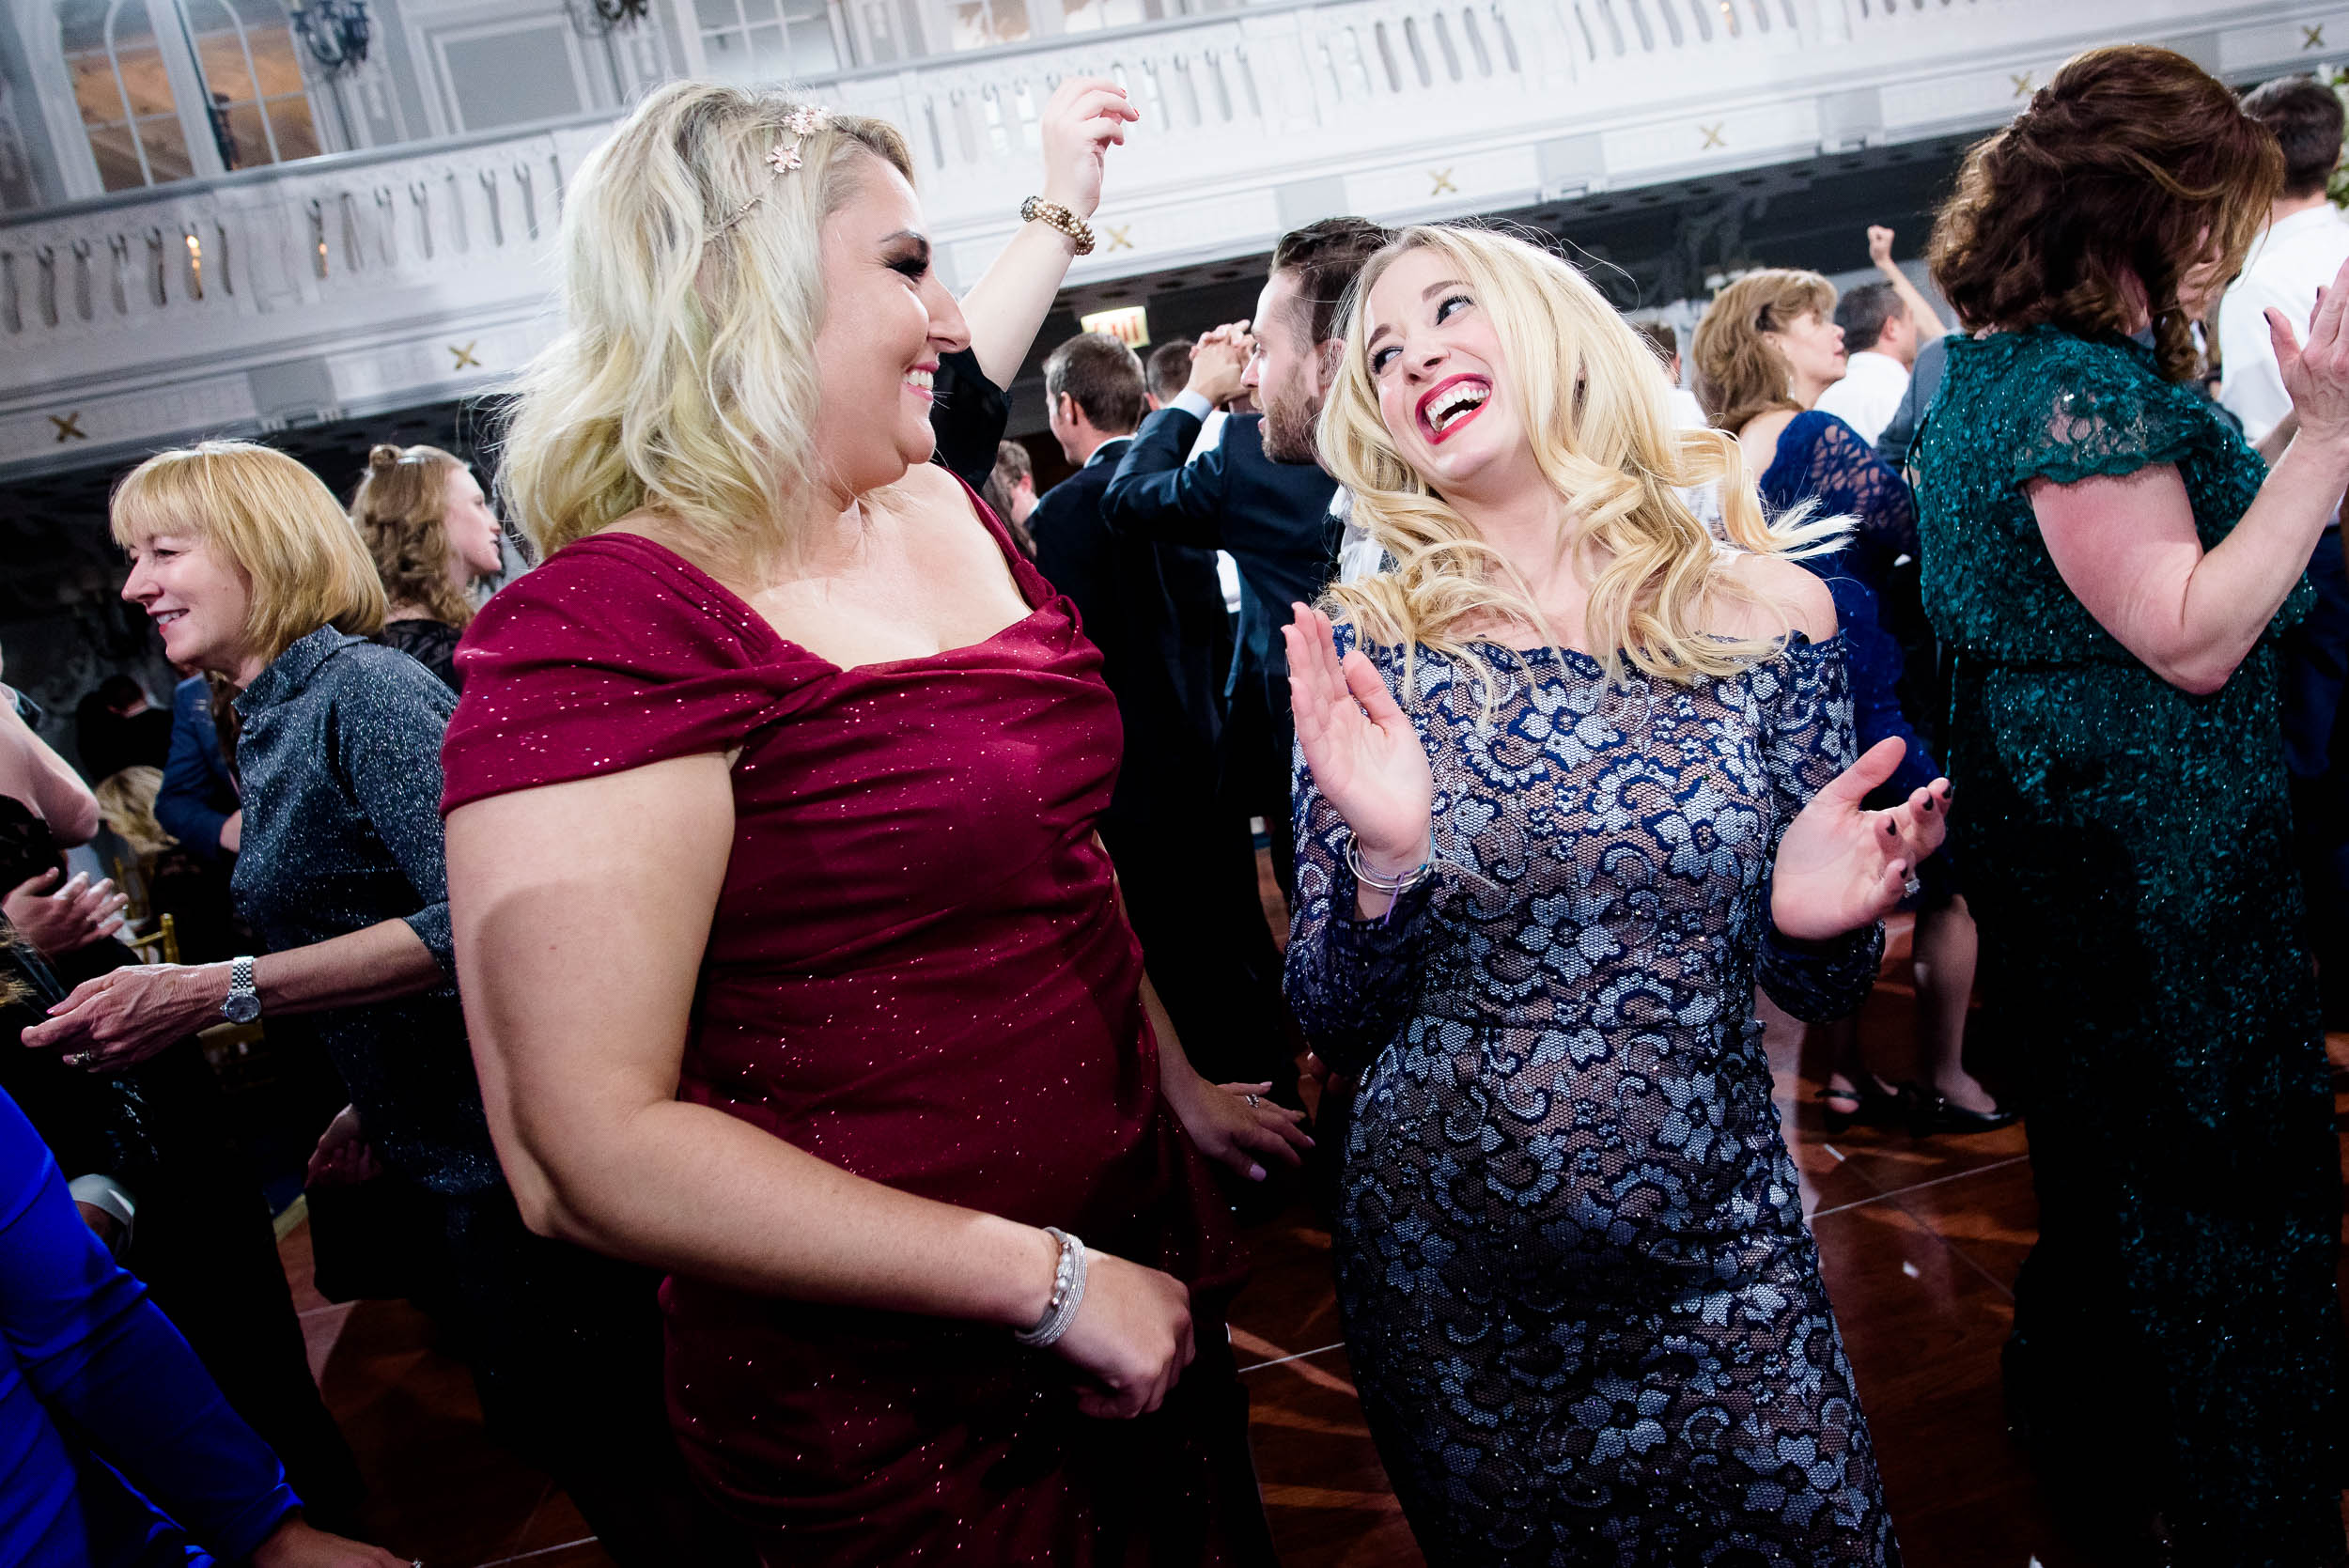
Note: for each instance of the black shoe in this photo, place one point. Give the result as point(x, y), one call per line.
point(1871, 1106)
point(1930, 1113)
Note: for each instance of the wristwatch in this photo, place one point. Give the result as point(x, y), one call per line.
point(244, 1003)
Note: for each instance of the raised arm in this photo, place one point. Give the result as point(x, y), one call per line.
point(1920, 309)
point(2127, 548)
point(32, 772)
point(1364, 795)
point(580, 928)
point(1084, 117)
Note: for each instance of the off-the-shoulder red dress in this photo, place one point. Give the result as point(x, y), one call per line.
point(918, 971)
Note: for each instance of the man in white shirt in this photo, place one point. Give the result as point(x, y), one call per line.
point(1884, 324)
point(1881, 342)
point(2303, 248)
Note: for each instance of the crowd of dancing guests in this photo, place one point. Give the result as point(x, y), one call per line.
point(787, 973)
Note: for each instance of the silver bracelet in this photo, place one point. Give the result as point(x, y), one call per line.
point(1069, 1293)
point(1375, 881)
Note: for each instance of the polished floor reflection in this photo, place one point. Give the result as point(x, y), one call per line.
point(1920, 1240)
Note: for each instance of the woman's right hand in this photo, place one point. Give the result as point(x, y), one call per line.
point(2316, 373)
point(1365, 756)
point(1131, 1337)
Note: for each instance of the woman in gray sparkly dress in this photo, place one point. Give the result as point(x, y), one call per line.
point(249, 569)
point(1536, 886)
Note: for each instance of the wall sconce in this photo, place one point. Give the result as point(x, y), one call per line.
point(602, 18)
point(335, 32)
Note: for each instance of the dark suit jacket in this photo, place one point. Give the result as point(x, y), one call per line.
point(1152, 609)
point(1274, 519)
point(197, 794)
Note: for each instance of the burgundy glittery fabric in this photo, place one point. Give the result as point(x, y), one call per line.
point(918, 971)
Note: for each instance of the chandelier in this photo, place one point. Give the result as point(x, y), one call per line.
point(602, 18)
point(335, 32)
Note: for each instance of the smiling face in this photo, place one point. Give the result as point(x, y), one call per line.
point(474, 539)
point(1437, 365)
point(1813, 348)
point(887, 317)
point(198, 601)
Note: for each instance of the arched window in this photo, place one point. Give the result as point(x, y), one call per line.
point(260, 105)
point(219, 88)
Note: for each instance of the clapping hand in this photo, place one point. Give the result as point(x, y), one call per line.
point(1365, 757)
point(1840, 866)
point(2316, 373)
point(1217, 360)
point(1084, 117)
point(68, 919)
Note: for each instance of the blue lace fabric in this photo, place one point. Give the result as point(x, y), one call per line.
point(2177, 1331)
point(1580, 1302)
point(1822, 461)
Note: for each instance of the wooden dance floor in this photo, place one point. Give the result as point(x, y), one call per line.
point(1920, 1241)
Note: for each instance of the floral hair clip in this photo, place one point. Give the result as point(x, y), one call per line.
point(803, 123)
point(784, 157)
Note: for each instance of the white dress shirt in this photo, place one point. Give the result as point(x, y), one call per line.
point(2287, 266)
point(1869, 395)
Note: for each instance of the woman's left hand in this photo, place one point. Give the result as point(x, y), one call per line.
point(1085, 115)
point(1238, 1125)
point(1840, 866)
point(122, 1017)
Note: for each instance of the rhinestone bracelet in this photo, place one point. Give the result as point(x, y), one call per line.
point(1069, 1293)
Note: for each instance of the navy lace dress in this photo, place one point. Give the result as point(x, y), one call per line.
point(1874, 578)
point(1581, 1304)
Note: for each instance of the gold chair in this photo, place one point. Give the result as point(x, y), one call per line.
point(159, 945)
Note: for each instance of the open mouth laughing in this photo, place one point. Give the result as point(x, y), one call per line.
point(1452, 403)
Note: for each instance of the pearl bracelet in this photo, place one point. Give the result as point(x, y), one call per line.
point(1069, 1293)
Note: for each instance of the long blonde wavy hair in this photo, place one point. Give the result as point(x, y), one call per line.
point(685, 382)
point(1597, 411)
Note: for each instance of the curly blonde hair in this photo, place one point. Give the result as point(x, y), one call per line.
point(1598, 414)
point(400, 509)
point(685, 382)
point(1740, 374)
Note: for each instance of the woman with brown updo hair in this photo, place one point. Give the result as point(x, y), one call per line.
point(2108, 565)
point(433, 535)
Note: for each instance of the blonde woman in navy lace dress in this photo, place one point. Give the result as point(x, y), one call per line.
point(1574, 780)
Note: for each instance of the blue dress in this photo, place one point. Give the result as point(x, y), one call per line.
point(1873, 577)
point(1580, 1301)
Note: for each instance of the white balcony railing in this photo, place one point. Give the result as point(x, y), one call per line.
point(359, 281)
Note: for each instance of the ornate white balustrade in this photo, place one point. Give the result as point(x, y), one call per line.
point(359, 282)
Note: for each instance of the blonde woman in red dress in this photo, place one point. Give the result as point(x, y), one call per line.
point(793, 962)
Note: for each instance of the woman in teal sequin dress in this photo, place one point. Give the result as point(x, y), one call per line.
point(2111, 564)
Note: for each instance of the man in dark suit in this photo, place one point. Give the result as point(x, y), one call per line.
point(1186, 869)
point(1258, 493)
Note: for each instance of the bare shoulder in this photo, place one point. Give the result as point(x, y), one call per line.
point(1789, 595)
point(932, 489)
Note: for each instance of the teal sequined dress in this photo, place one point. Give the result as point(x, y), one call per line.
point(2127, 853)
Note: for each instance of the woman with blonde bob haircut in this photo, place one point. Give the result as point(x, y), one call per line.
point(1531, 910)
point(251, 571)
point(771, 808)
